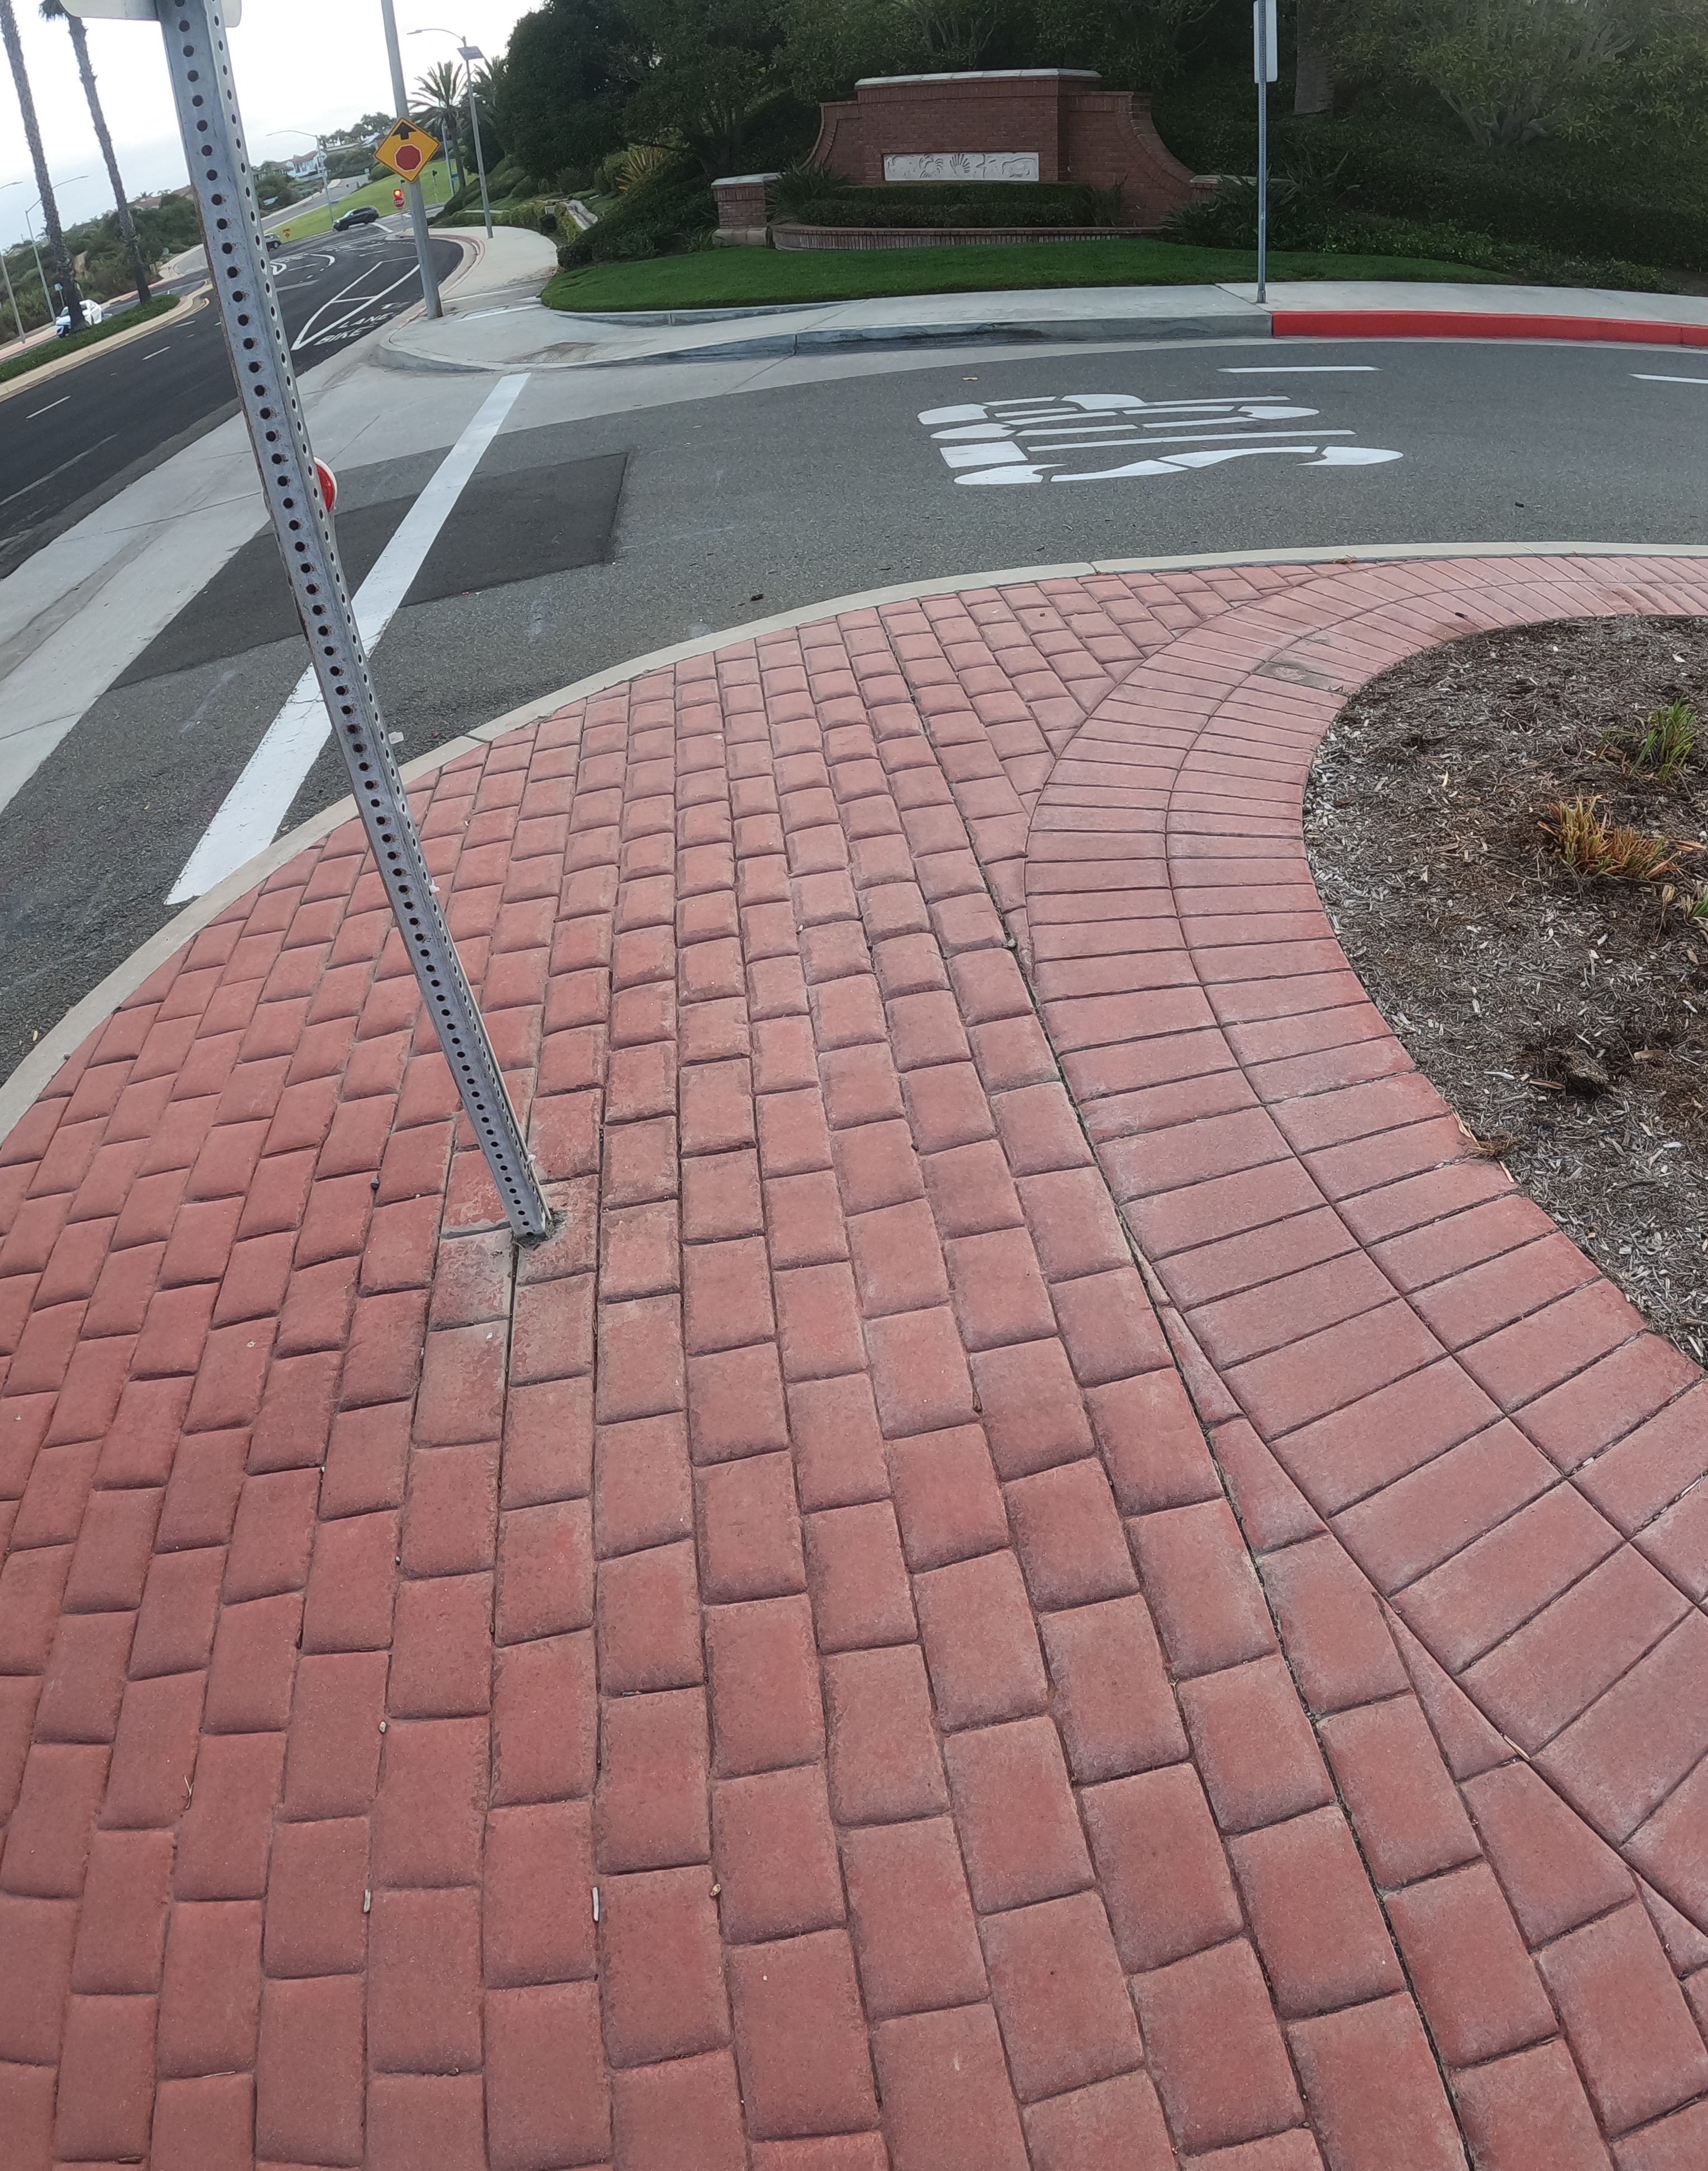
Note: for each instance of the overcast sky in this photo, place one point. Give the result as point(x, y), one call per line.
point(301, 64)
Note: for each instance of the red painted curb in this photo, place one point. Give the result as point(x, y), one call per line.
point(1470, 323)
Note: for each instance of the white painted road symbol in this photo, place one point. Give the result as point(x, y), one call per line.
point(1069, 437)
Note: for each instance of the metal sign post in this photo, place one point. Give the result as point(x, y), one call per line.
point(418, 205)
point(1264, 67)
point(199, 61)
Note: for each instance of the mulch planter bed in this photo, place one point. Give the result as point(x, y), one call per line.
point(1565, 1020)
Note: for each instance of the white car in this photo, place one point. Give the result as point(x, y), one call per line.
point(93, 314)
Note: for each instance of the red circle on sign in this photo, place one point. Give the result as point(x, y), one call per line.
point(406, 159)
point(329, 484)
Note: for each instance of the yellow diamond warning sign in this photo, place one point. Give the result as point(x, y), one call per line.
point(408, 150)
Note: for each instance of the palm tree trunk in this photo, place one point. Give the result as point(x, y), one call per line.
point(44, 180)
point(1314, 69)
point(127, 225)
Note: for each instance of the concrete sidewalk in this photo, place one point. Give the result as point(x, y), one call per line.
point(1046, 1578)
point(527, 332)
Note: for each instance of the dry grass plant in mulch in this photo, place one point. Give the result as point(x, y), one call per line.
point(1562, 1012)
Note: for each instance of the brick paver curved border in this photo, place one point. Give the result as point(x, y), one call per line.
point(1030, 1685)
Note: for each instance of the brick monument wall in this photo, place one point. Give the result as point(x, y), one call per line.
point(1074, 129)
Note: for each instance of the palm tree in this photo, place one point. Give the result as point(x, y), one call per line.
point(44, 180)
point(440, 91)
point(53, 11)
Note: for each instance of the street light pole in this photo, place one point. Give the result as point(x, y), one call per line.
point(35, 250)
point(418, 207)
point(470, 55)
point(6, 274)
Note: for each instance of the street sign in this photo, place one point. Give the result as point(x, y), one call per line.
point(135, 11)
point(408, 150)
point(1265, 65)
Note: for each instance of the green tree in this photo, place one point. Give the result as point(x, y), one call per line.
point(1513, 70)
point(274, 188)
point(570, 72)
point(439, 94)
point(831, 44)
point(717, 62)
point(44, 180)
point(1133, 43)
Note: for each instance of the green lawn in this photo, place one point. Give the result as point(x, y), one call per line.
point(729, 278)
point(305, 225)
point(55, 350)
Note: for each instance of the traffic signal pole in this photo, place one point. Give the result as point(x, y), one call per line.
point(198, 59)
point(417, 207)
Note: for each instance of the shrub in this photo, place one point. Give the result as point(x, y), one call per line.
point(951, 203)
point(1599, 851)
point(1665, 743)
point(1305, 213)
point(1623, 197)
point(667, 211)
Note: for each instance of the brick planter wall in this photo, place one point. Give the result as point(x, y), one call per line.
point(742, 211)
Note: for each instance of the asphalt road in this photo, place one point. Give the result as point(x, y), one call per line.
point(579, 544)
point(88, 433)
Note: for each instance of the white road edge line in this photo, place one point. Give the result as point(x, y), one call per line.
point(1302, 369)
point(1647, 377)
point(258, 802)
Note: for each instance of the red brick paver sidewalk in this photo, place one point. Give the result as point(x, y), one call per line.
point(1045, 1577)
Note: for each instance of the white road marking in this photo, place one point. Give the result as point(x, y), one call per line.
point(1645, 376)
point(49, 409)
point(1046, 439)
point(158, 352)
point(249, 819)
point(1300, 369)
point(306, 336)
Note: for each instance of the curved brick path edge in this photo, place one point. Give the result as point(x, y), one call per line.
point(1084, 1589)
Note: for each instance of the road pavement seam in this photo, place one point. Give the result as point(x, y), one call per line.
point(19, 1093)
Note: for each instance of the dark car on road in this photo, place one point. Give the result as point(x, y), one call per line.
point(362, 215)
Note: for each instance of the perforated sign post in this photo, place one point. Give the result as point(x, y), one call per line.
point(199, 61)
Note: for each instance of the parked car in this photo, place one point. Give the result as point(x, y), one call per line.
point(361, 215)
point(93, 314)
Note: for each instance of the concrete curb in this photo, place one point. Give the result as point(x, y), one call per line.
point(1242, 320)
point(1054, 331)
point(1477, 324)
point(19, 1093)
point(32, 380)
